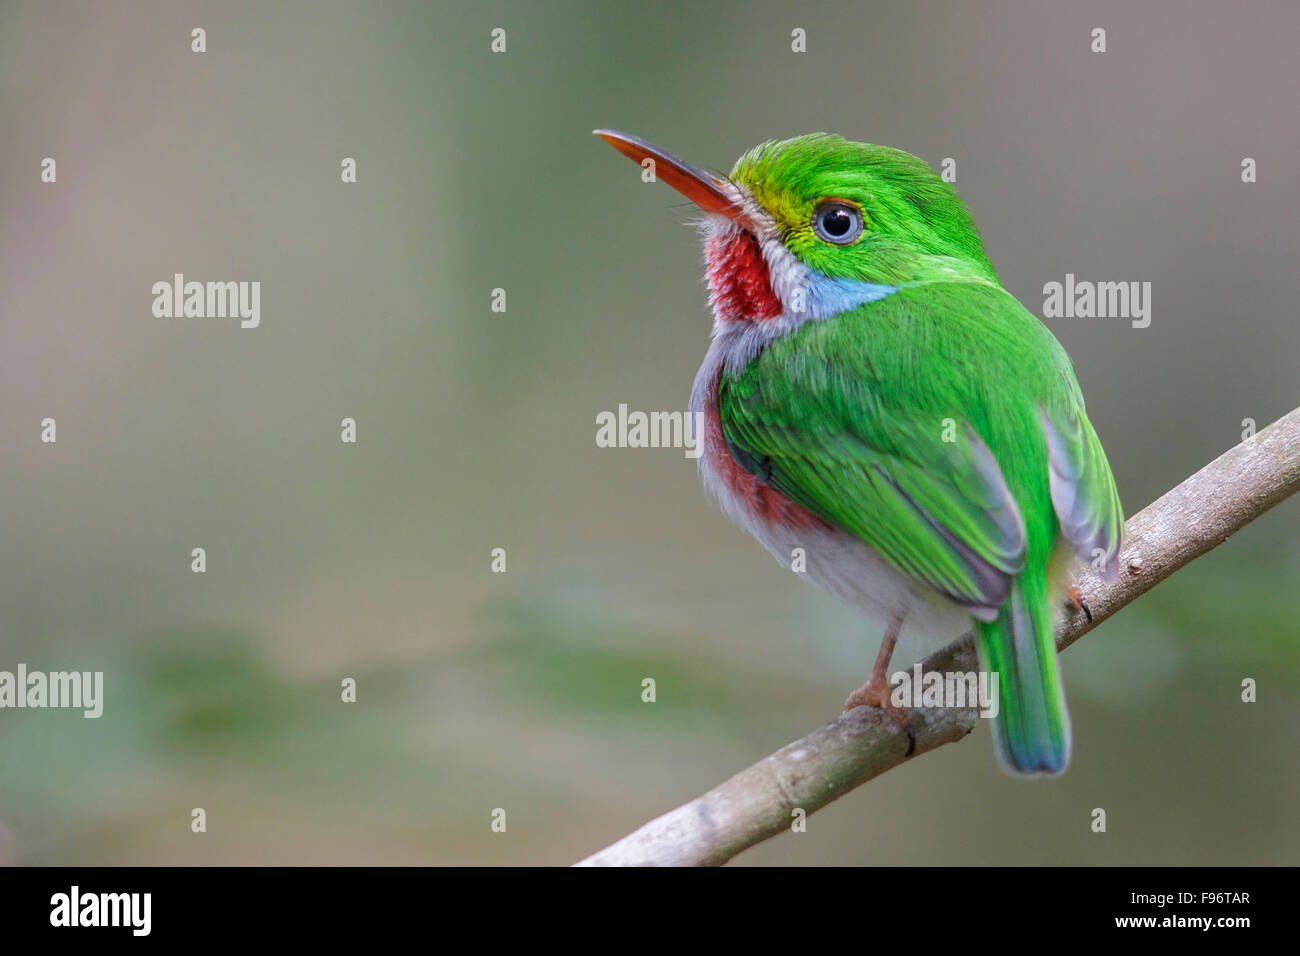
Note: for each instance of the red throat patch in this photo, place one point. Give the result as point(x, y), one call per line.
point(740, 288)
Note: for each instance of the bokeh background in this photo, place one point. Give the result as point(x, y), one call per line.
point(476, 429)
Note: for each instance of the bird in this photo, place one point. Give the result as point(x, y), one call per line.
point(874, 396)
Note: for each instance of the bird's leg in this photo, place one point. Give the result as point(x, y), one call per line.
point(875, 692)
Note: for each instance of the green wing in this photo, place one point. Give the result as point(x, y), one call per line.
point(915, 424)
point(1083, 489)
point(830, 417)
point(954, 526)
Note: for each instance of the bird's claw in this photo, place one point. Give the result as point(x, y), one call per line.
point(1078, 602)
point(876, 694)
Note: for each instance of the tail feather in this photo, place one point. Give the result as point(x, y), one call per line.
point(1032, 727)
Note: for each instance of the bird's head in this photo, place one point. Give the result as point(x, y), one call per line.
point(818, 225)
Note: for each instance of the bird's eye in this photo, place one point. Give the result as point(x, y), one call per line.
point(837, 222)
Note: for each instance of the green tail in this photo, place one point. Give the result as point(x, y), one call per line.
point(1032, 728)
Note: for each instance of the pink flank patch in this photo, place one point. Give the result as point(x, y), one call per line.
point(739, 286)
point(761, 501)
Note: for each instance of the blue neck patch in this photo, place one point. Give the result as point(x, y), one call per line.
point(827, 297)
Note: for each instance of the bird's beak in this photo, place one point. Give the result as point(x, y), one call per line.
point(707, 191)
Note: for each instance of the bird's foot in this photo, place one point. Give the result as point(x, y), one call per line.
point(875, 693)
point(1078, 602)
point(870, 694)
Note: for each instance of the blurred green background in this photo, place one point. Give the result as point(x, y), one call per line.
point(476, 429)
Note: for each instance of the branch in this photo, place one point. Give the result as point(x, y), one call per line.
point(757, 803)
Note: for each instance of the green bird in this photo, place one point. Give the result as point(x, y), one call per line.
point(874, 400)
